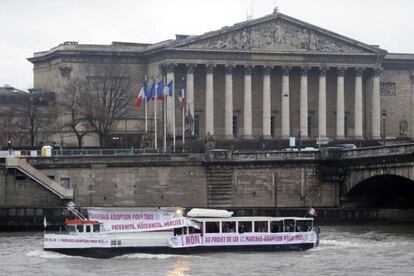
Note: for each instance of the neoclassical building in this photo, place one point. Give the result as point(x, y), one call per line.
point(272, 77)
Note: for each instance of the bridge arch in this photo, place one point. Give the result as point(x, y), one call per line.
point(382, 191)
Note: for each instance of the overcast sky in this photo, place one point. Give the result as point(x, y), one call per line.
point(38, 25)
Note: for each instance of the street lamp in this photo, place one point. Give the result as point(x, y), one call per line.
point(383, 116)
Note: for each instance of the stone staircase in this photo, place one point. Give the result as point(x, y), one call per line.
point(39, 177)
point(219, 183)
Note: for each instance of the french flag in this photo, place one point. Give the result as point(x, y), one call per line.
point(168, 89)
point(181, 94)
point(159, 90)
point(312, 212)
point(151, 91)
point(141, 95)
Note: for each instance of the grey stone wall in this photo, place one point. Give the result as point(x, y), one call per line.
point(24, 193)
point(126, 182)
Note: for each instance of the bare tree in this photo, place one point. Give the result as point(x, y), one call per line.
point(103, 100)
point(37, 114)
point(71, 105)
point(7, 126)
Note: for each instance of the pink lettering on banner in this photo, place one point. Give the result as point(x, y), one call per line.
point(149, 225)
point(120, 227)
point(101, 215)
point(299, 237)
point(174, 222)
point(192, 240)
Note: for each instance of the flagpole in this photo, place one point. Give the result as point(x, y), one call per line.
point(155, 120)
point(145, 102)
point(146, 114)
point(173, 118)
point(165, 116)
point(183, 124)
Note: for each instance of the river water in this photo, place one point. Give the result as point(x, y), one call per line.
point(344, 250)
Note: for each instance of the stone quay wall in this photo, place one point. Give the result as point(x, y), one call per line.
point(176, 180)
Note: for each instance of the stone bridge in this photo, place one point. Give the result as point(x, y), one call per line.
point(379, 176)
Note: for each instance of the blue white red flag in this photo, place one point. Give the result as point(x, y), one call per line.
point(181, 94)
point(168, 89)
point(151, 91)
point(141, 94)
point(312, 212)
point(160, 90)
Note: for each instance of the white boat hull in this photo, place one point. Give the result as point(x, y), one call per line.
point(105, 246)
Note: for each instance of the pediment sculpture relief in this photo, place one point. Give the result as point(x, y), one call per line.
point(275, 35)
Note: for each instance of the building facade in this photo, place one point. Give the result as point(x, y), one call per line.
point(268, 78)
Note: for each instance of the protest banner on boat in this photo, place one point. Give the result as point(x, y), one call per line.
point(68, 241)
point(115, 220)
point(229, 239)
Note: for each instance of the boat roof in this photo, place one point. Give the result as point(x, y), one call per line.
point(209, 213)
point(253, 219)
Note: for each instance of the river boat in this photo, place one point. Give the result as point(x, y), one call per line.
point(108, 232)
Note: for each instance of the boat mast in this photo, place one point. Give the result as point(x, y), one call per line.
point(72, 208)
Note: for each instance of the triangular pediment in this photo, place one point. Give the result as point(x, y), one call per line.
point(277, 32)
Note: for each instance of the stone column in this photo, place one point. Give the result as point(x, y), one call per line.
point(358, 103)
point(340, 105)
point(322, 103)
point(190, 91)
point(209, 99)
point(285, 104)
point(267, 105)
point(376, 105)
point(171, 100)
point(228, 107)
point(411, 121)
point(247, 110)
point(304, 134)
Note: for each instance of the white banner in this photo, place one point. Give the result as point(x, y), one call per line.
point(138, 221)
point(241, 239)
point(150, 226)
point(70, 241)
point(103, 215)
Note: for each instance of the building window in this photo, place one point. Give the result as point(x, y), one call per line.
point(272, 125)
point(388, 89)
point(309, 126)
point(19, 175)
point(196, 125)
point(65, 182)
point(234, 125)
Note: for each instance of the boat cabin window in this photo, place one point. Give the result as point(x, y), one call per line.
point(228, 227)
point(71, 228)
point(192, 230)
point(276, 226)
point(290, 225)
point(212, 227)
point(245, 226)
point(303, 225)
point(96, 228)
point(79, 228)
point(180, 231)
point(88, 229)
point(260, 226)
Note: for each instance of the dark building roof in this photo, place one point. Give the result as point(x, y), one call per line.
point(12, 96)
point(10, 89)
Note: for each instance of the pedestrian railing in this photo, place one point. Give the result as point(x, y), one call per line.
point(378, 151)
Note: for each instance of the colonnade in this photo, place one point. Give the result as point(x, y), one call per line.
point(285, 101)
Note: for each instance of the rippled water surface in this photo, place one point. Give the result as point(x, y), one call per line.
point(344, 250)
